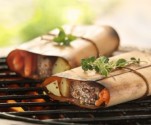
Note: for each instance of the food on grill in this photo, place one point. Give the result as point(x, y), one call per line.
point(92, 90)
point(85, 93)
point(42, 57)
point(53, 110)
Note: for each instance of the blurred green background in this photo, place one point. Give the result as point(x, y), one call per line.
point(23, 20)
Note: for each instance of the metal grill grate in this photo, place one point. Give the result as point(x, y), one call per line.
point(14, 87)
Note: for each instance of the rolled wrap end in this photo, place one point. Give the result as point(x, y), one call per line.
point(86, 94)
point(35, 66)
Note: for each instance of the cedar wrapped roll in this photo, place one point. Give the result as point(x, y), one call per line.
point(42, 57)
point(91, 90)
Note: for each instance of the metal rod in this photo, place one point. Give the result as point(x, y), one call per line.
point(15, 97)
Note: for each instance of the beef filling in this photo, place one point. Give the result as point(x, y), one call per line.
point(45, 65)
point(85, 92)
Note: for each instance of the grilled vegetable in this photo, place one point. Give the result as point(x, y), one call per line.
point(60, 66)
point(53, 88)
point(64, 87)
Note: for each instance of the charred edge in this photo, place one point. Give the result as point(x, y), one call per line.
point(112, 32)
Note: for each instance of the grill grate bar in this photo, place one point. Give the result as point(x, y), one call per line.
point(3, 68)
point(71, 111)
point(29, 81)
point(119, 108)
point(20, 97)
point(8, 74)
point(23, 89)
point(112, 118)
point(120, 117)
point(2, 60)
point(20, 104)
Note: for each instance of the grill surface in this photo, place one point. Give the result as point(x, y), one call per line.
point(14, 87)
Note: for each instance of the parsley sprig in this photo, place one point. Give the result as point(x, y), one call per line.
point(104, 66)
point(64, 39)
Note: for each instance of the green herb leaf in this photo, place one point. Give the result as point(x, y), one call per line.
point(104, 66)
point(64, 39)
point(135, 60)
point(87, 63)
point(121, 63)
point(71, 37)
point(103, 59)
point(104, 72)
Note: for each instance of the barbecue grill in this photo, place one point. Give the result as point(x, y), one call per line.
point(136, 112)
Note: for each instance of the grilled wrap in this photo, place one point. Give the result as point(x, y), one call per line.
point(92, 90)
point(42, 57)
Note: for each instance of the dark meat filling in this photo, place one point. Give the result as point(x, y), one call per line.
point(44, 66)
point(85, 92)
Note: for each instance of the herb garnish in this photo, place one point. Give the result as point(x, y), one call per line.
point(62, 38)
point(104, 66)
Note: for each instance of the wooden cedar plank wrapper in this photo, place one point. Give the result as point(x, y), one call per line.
point(102, 40)
point(123, 85)
point(105, 38)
